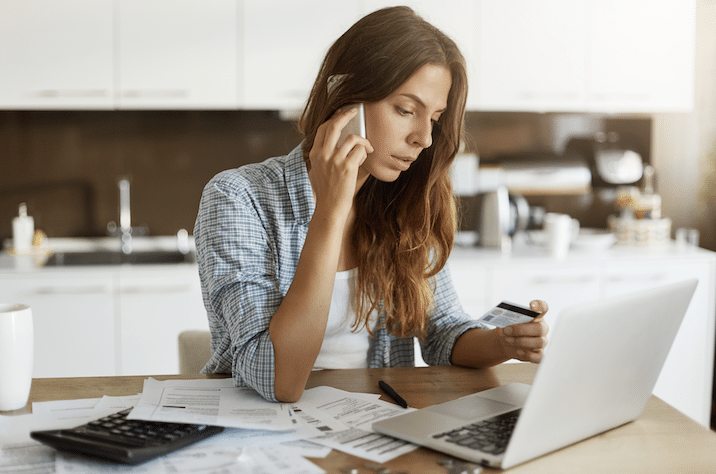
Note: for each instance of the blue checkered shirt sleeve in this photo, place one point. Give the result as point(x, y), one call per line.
point(249, 237)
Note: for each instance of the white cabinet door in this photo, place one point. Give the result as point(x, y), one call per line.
point(56, 55)
point(641, 55)
point(586, 55)
point(531, 55)
point(559, 284)
point(686, 379)
point(73, 318)
point(177, 54)
point(155, 306)
point(284, 45)
point(470, 278)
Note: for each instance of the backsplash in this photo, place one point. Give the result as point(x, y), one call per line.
point(66, 164)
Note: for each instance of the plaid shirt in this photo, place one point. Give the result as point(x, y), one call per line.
point(249, 232)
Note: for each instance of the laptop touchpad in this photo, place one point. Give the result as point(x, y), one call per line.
point(471, 407)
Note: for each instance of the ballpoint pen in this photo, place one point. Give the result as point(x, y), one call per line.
point(393, 394)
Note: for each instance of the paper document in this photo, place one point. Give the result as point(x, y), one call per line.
point(71, 413)
point(198, 459)
point(345, 420)
point(235, 451)
point(20, 453)
point(211, 402)
point(262, 436)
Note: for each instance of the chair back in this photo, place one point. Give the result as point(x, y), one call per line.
point(194, 351)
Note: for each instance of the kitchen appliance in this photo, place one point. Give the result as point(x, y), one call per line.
point(614, 159)
point(502, 215)
point(538, 173)
point(494, 224)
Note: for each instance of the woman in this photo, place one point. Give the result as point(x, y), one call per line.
point(334, 255)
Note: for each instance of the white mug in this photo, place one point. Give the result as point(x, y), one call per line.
point(17, 343)
point(560, 228)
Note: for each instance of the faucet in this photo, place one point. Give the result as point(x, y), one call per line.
point(125, 217)
point(125, 231)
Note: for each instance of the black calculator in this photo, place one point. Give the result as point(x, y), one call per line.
point(116, 438)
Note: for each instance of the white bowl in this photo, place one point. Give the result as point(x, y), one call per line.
point(594, 239)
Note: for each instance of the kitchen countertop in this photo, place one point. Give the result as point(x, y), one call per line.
point(521, 252)
point(15, 265)
point(33, 262)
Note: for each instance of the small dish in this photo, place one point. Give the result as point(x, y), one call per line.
point(593, 239)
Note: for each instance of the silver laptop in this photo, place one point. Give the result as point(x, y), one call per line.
point(598, 372)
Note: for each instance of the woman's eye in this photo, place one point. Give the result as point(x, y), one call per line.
point(402, 111)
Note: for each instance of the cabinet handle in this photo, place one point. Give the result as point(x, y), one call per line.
point(565, 280)
point(633, 97)
point(71, 290)
point(154, 94)
point(135, 290)
point(568, 96)
point(72, 93)
point(637, 278)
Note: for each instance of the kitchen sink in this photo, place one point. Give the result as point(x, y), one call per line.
point(104, 257)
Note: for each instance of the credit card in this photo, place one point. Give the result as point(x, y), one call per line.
point(507, 314)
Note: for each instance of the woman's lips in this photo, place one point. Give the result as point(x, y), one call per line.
point(404, 161)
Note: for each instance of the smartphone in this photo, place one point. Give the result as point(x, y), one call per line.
point(356, 126)
point(507, 314)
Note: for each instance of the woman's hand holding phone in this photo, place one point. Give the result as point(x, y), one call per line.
point(335, 160)
point(356, 125)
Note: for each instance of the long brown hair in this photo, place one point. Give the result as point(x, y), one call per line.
point(404, 230)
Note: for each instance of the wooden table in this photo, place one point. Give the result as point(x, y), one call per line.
point(662, 440)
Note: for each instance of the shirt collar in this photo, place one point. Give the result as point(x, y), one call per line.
point(299, 186)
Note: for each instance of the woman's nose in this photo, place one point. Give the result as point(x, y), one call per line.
point(422, 136)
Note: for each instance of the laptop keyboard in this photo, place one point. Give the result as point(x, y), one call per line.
point(490, 435)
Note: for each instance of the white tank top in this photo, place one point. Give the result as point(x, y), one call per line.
point(343, 348)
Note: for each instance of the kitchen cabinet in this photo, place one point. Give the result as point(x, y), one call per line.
point(281, 54)
point(641, 55)
point(179, 54)
point(108, 320)
point(685, 382)
point(56, 55)
point(532, 55)
point(586, 55)
point(282, 61)
point(155, 306)
point(73, 317)
point(559, 284)
point(127, 54)
point(616, 56)
point(470, 282)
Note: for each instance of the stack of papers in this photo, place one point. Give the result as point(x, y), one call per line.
point(262, 437)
